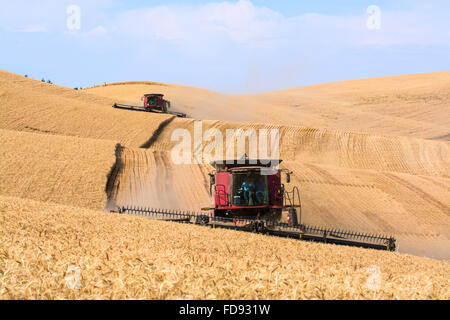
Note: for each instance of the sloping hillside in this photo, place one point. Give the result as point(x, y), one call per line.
point(413, 208)
point(413, 105)
point(34, 106)
point(59, 169)
point(332, 147)
point(150, 178)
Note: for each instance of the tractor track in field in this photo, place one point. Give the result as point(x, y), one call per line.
point(148, 178)
point(443, 138)
point(149, 143)
point(423, 195)
point(111, 179)
point(32, 129)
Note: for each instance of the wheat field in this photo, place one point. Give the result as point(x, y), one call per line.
point(369, 155)
point(124, 257)
point(60, 169)
point(33, 106)
point(409, 105)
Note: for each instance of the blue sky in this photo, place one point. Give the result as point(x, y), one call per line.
point(230, 46)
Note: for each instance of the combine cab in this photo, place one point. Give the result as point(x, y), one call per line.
point(247, 189)
point(249, 195)
point(152, 103)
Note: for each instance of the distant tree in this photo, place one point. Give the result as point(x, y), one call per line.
point(26, 76)
point(43, 80)
point(76, 88)
point(49, 82)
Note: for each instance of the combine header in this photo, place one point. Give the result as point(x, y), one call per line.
point(152, 103)
point(249, 196)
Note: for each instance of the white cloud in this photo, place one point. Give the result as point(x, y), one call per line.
point(217, 24)
point(34, 28)
point(244, 24)
point(97, 31)
point(241, 39)
point(417, 27)
point(239, 22)
point(158, 22)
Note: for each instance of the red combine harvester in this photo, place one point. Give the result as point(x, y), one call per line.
point(153, 102)
point(249, 196)
point(252, 189)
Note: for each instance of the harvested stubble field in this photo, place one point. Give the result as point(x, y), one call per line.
point(332, 147)
point(410, 105)
point(413, 208)
point(352, 169)
point(34, 106)
point(395, 106)
point(122, 257)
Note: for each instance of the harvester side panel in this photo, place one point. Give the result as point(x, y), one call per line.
point(222, 189)
point(275, 192)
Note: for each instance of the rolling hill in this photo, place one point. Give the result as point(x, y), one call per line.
point(412, 105)
point(368, 155)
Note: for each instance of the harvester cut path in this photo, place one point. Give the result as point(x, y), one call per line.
point(153, 102)
point(248, 195)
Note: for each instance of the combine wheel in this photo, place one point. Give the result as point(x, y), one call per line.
point(258, 227)
point(202, 220)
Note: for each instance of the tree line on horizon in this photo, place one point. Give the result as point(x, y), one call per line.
point(50, 82)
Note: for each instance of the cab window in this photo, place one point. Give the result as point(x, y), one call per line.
point(250, 189)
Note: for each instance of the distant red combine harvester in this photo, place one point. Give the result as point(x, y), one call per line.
point(153, 102)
